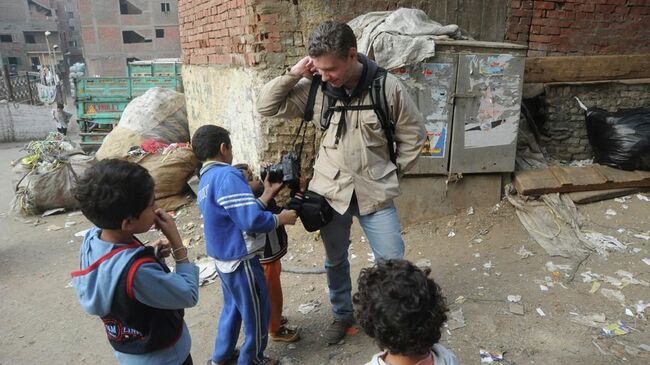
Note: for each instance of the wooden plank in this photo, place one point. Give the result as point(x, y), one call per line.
point(586, 68)
point(572, 179)
point(584, 197)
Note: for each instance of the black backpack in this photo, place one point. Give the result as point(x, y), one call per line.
point(379, 105)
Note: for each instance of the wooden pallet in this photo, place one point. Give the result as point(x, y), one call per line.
point(556, 179)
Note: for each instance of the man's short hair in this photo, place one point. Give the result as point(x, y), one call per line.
point(207, 140)
point(332, 38)
point(113, 190)
point(400, 307)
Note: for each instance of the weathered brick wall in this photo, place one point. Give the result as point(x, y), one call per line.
point(565, 121)
point(580, 27)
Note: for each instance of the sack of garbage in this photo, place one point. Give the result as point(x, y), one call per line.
point(620, 139)
point(158, 114)
point(118, 143)
point(44, 178)
point(170, 169)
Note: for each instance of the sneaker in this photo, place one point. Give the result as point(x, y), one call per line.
point(285, 335)
point(337, 330)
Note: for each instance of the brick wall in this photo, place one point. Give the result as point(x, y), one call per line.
point(580, 27)
point(564, 126)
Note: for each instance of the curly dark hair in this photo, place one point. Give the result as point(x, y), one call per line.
point(114, 190)
point(207, 141)
point(332, 38)
point(400, 307)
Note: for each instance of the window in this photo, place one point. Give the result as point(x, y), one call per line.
point(36, 63)
point(164, 7)
point(6, 38)
point(160, 33)
point(70, 14)
point(129, 36)
point(126, 8)
point(30, 38)
point(72, 28)
point(72, 43)
point(12, 60)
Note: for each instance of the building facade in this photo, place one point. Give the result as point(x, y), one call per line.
point(115, 32)
point(23, 39)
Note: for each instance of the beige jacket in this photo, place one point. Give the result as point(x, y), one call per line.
point(360, 162)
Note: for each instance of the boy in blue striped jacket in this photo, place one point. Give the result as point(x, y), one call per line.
point(229, 207)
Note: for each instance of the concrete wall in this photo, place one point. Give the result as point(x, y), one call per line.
point(22, 122)
point(580, 27)
point(564, 126)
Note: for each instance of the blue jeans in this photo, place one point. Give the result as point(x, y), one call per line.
point(384, 235)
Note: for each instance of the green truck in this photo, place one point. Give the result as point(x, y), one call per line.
point(100, 101)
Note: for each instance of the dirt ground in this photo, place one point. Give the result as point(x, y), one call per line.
point(41, 320)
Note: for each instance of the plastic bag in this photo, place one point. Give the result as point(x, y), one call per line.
point(620, 139)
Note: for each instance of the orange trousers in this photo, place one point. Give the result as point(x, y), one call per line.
point(272, 272)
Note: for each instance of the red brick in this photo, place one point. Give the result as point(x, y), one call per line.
point(521, 13)
point(550, 30)
point(543, 5)
point(540, 38)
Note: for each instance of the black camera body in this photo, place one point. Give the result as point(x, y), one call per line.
point(287, 171)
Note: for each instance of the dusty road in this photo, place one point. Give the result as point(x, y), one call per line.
point(41, 320)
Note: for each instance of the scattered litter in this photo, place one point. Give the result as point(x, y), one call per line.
point(54, 227)
point(628, 278)
point(456, 319)
point(490, 357)
point(629, 312)
point(82, 233)
point(643, 236)
point(540, 312)
point(643, 197)
point(603, 243)
point(615, 329)
point(207, 270)
point(488, 265)
point(621, 200)
point(76, 213)
point(70, 224)
point(495, 208)
point(477, 241)
point(516, 308)
point(551, 267)
point(476, 254)
point(610, 211)
point(543, 287)
point(596, 320)
point(524, 253)
point(641, 307)
point(52, 212)
point(514, 298)
point(621, 230)
point(309, 307)
point(423, 263)
point(460, 300)
point(644, 347)
point(451, 234)
point(470, 211)
point(371, 257)
point(646, 261)
point(363, 239)
point(69, 285)
point(625, 206)
point(595, 286)
point(635, 250)
point(353, 256)
point(614, 295)
point(483, 231)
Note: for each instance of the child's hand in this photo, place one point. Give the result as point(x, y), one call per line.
point(162, 248)
point(287, 217)
point(165, 223)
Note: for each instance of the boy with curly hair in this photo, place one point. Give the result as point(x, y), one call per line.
point(403, 310)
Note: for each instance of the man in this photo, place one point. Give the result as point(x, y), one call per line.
point(353, 170)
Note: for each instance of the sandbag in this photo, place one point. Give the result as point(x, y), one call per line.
point(170, 172)
point(620, 139)
point(158, 114)
point(117, 143)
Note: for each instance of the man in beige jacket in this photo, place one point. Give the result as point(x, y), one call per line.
point(353, 169)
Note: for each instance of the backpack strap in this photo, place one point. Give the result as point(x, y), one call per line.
point(380, 106)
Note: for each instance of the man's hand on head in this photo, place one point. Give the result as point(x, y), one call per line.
point(305, 68)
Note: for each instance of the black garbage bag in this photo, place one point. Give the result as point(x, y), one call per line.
point(620, 139)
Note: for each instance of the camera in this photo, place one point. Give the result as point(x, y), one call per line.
point(287, 171)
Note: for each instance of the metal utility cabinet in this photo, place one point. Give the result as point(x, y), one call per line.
point(469, 94)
